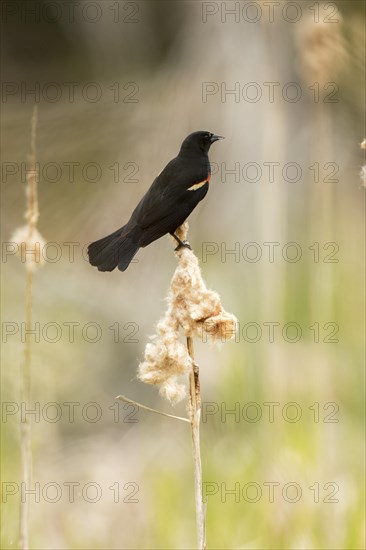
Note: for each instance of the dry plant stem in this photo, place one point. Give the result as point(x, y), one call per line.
point(127, 400)
point(195, 414)
point(32, 202)
point(25, 426)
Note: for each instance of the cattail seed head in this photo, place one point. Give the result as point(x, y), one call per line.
point(29, 247)
point(321, 48)
point(197, 311)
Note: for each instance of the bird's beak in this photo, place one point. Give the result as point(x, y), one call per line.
point(215, 138)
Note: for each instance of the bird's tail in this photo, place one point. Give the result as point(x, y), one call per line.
point(116, 249)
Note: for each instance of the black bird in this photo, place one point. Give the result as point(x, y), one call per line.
point(173, 195)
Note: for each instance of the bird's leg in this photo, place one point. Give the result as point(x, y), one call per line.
point(181, 243)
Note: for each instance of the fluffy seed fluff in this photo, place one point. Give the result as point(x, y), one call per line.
point(29, 247)
point(321, 47)
point(195, 309)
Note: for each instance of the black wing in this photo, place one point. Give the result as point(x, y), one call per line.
point(177, 214)
point(169, 193)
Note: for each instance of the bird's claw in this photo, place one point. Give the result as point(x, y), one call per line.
point(183, 244)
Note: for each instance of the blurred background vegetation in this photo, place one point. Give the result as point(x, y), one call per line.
point(158, 55)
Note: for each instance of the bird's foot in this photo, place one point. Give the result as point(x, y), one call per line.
point(181, 244)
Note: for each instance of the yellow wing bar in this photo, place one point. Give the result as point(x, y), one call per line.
point(200, 184)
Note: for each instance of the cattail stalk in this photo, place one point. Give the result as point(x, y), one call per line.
point(29, 242)
point(25, 426)
point(195, 417)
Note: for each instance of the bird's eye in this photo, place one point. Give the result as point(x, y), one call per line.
point(208, 136)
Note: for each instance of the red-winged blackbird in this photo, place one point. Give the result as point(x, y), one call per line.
point(173, 195)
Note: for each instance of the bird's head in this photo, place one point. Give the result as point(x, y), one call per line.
point(199, 142)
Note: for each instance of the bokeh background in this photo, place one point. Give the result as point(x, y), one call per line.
point(140, 72)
